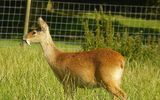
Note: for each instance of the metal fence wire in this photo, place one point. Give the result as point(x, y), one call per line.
point(12, 14)
point(65, 19)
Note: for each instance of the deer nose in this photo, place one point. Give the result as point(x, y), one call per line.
point(25, 37)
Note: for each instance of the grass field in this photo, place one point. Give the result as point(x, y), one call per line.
point(128, 21)
point(25, 75)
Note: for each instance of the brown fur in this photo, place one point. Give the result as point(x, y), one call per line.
point(100, 67)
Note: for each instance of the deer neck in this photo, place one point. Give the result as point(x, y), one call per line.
point(50, 50)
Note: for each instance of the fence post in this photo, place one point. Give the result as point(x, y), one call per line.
point(26, 24)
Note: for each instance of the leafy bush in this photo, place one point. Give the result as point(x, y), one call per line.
point(133, 47)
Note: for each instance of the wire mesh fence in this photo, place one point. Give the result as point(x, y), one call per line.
point(65, 19)
point(12, 14)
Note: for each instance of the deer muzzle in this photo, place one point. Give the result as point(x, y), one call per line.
point(27, 41)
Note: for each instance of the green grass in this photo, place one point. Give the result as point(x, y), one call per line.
point(128, 21)
point(61, 45)
point(25, 75)
point(5, 42)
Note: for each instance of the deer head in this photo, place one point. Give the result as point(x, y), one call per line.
point(36, 36)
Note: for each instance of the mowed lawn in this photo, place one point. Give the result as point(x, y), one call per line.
point(25, 75)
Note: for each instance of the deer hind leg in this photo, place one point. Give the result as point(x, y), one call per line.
point(115, 89)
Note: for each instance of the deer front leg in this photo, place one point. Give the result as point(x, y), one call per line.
point(69, 87)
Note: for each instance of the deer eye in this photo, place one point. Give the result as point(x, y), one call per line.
point(34, 33)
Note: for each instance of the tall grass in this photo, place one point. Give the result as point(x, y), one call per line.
point(25, 75)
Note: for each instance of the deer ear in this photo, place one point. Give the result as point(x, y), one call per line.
point(43, 25)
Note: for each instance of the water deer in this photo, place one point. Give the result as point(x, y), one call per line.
point(96, 68)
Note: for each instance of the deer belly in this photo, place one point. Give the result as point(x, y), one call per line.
point(86, 81)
